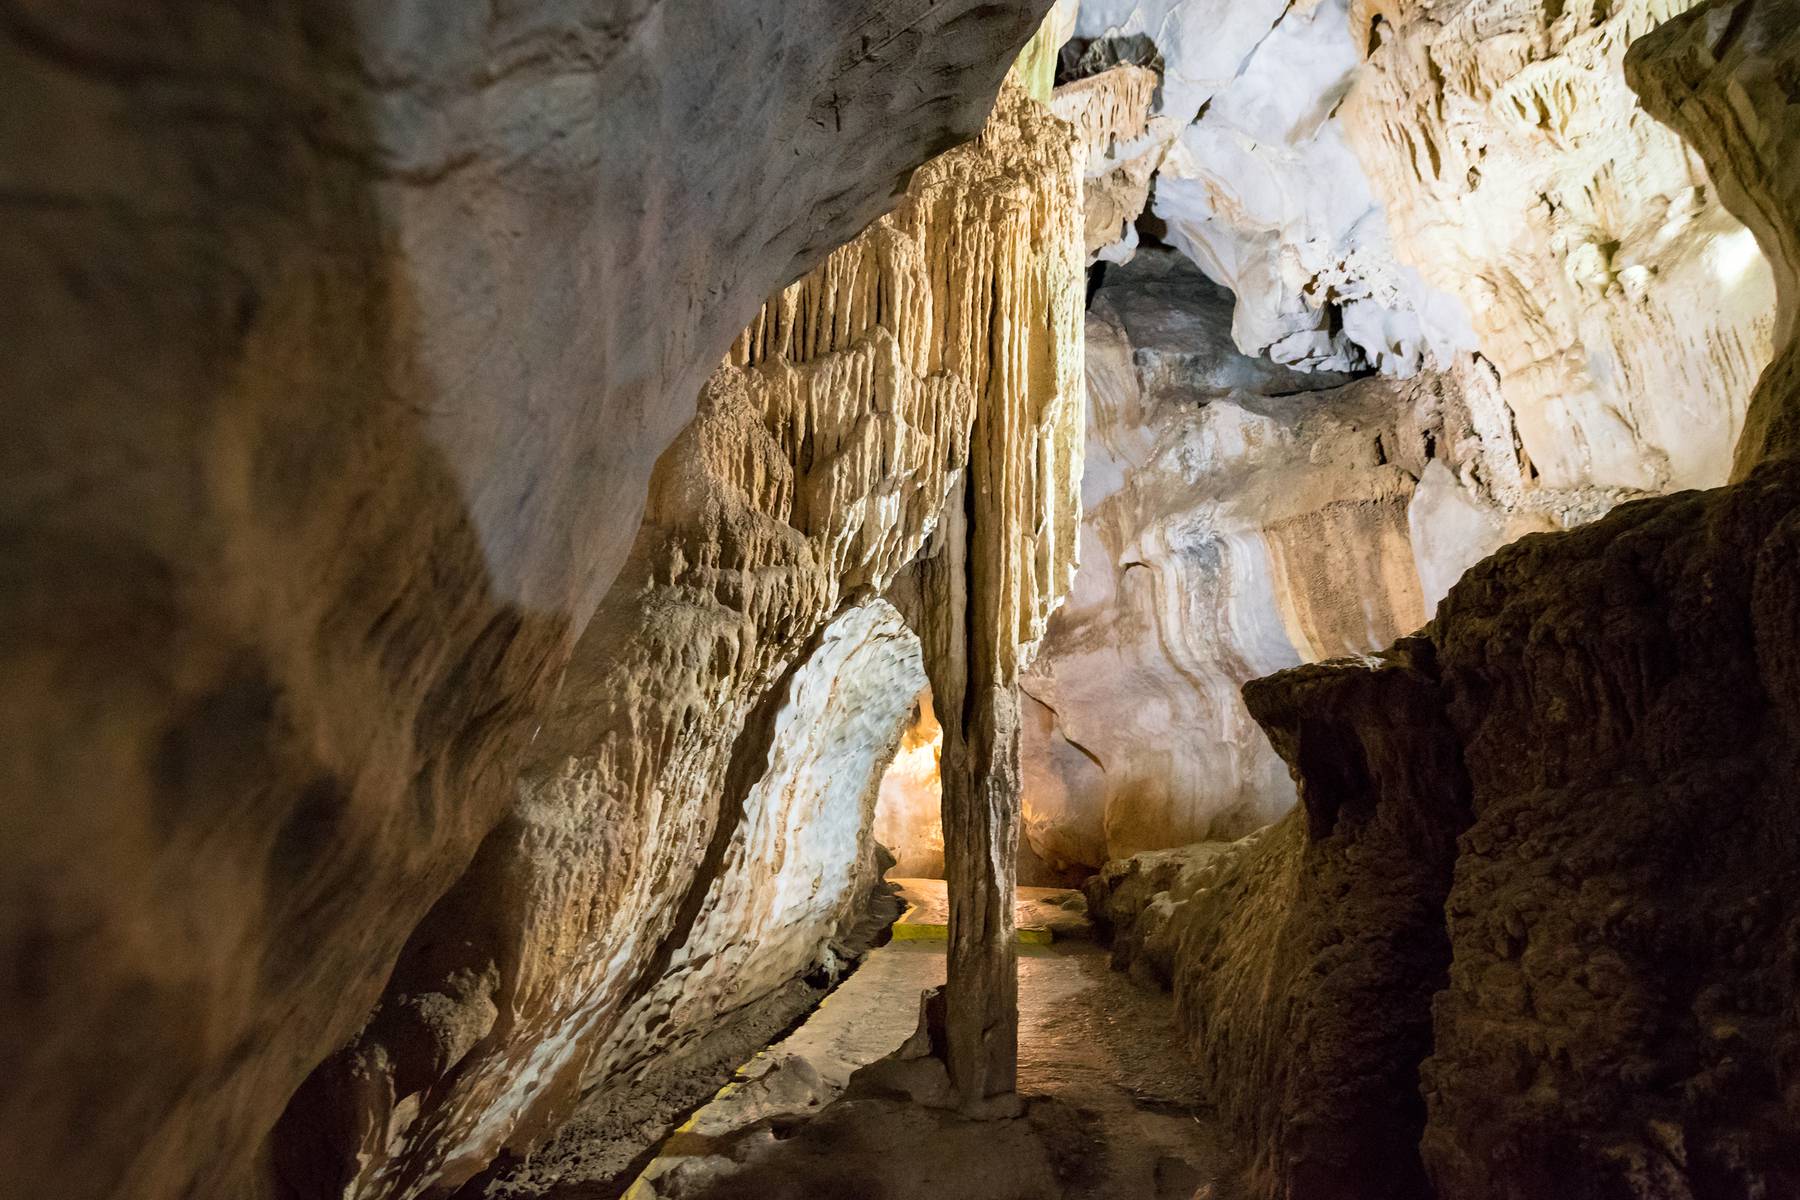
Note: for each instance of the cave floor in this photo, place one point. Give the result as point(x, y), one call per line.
point(1113, 1110)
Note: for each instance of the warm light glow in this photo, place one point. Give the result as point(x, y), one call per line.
point(909, 814)
point(1734, 255)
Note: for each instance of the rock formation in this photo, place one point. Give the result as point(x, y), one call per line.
point(1626, 311)
point(1238, 517)
point(599, 922)
point(1524, 937)
point(346, 337)
point(1264, 192)
point(1388, 183)
point(1110, 111)
point(909, 811)
point(1276, 153)
point(486, 487)
point(1002, 560)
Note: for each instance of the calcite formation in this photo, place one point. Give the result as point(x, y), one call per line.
point(1002, 560)
point(1255, 182)
point(1627, 312)
point(1287, 161)
point(343, 341)
point(1534, 881)
point(800, 860)
point(1725, 79)
point(1388, 183)
point(1239, 517)
point(1111, 111)
point(1263, 191)
point(933, 359)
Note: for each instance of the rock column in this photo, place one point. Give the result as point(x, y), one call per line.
point(1010, 279)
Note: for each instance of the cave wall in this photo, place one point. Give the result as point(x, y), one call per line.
point(345, 338)
point(1111, 113)
point(591, 929)
point(1265, 191)
point(1627, 311)
point(1553, 831)
point(1388, 183)
point(909, 810)
point(1363, 177)
point(801, 862)
point(1238, 517)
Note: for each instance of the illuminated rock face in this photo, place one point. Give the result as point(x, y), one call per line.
point(799, 857)
point(1264, 193)
point(1239, 517)
point(1522, 937)
point(1627, 312)
point(827, 444)
point(345, 339)
point(1121, 150)
point(1390, 182)
point(909, 817)
point(1364, 177)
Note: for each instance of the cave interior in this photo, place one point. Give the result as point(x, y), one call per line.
point(900, 600)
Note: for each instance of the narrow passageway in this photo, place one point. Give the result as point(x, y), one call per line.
point(547, 547)
point(1113, 1111)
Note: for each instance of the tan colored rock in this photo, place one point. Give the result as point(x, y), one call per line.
point(847, 413)
point(909, 815)
point(1536, 877)
point(1627, 312)
point(1239, 517)
point(1725, 80)
point(1121, 149)
point(343, 340)
point(1304, 957)
point(789, 881)
point(1264, 192)
point(1002, 560)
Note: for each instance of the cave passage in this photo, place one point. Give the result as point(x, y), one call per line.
point(900, 599)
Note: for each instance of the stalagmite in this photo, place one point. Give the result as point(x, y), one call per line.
point(343, 339)
point(490, 489)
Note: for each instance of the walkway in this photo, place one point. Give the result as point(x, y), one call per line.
point(1113, 1113)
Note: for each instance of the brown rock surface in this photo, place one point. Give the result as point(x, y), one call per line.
point(1304, 957)
point(344, 339)
point(1616, 1013)
point(823, 455)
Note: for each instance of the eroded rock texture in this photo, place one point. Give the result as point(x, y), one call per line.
point(344, 338)
point(1389, 183)
point(1626, 310)
point(595, 925)
point(1002, 560)
point(1304, 956)
point(1111, 111)
point(1239, 517)
point(1623, 317)
point(1265, 193)
point(1558, 823)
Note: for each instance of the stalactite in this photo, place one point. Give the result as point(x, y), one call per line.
point(826, 449)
